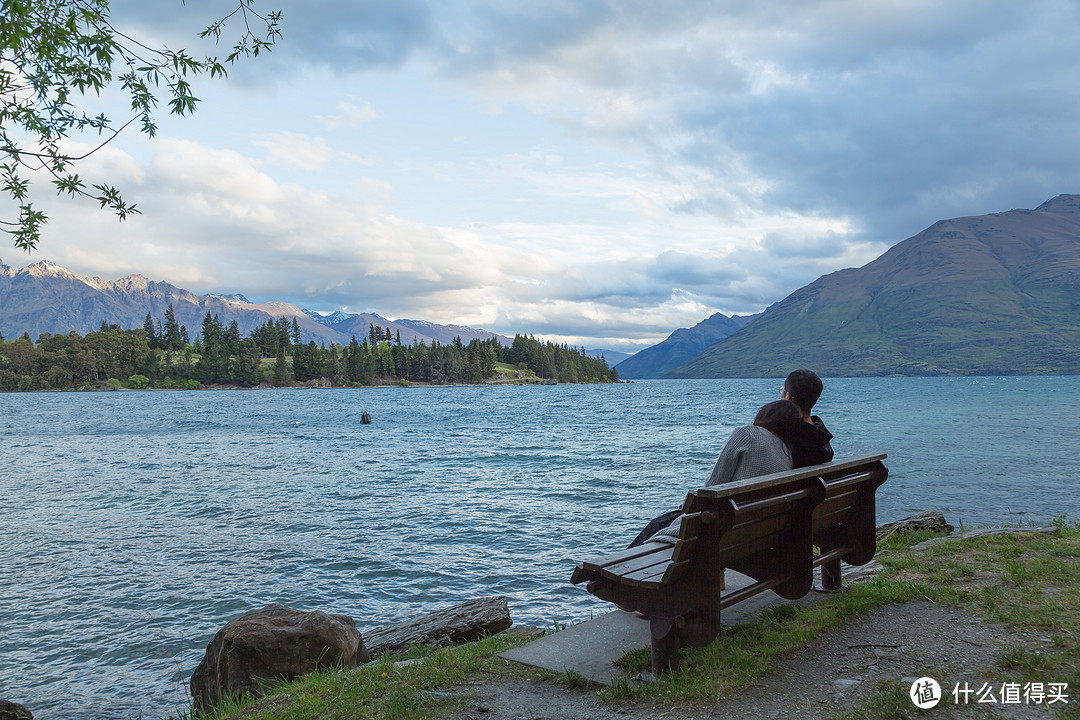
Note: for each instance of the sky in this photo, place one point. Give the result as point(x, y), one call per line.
point(598, 173)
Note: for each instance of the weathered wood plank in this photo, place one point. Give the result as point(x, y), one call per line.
point(828, 471)
point(661, 554)
point(455, 625)
point(602, 562)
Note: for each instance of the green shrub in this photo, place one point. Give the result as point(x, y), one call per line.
point(138, 382)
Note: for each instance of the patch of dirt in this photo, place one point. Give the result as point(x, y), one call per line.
point(891, 645)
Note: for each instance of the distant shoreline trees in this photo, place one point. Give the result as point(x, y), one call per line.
point(159, 355)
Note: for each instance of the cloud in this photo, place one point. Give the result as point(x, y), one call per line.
point(348, 115)
point(552, 167)
point(297, 150)
point(894, 114)
point(343, 34)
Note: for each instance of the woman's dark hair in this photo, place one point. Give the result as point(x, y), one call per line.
point(782, 418)
point(772, 416)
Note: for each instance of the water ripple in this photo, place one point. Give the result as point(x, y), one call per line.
point(137, 524)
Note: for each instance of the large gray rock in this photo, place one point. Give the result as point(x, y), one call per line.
point(452, 626)
point(273, 643)
point(929, 520)
point(13, 711)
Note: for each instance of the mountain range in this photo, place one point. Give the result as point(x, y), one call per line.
point(680, 347)
point(44, 297)
point(995, 294)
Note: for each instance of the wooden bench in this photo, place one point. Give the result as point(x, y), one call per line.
point(764, 527)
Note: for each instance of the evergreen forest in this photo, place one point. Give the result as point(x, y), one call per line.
point(161, 354)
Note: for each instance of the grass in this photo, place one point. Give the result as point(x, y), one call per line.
point(379, 690)
point(1028, 582)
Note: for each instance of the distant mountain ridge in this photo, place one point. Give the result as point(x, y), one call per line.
point(680, 347)
point(46, 298)
point(994, 294)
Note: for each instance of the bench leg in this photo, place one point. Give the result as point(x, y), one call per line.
point(830, 577)
point(665, 645)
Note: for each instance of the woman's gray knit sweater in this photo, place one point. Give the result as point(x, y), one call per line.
point(749, 452)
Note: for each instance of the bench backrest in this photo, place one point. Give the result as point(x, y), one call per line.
point(768, 525)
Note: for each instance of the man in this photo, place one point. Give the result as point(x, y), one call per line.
point(810, 444)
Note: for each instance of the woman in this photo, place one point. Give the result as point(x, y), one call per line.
point(751, 450)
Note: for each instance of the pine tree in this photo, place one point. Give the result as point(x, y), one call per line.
point(172, 338)
point(295, 332)
point(247, 372)
point(232, 338)
point(281, 372)
point(148, 328)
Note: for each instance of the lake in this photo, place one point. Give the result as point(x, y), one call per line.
point(136, 524)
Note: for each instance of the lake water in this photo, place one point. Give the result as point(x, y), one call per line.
point(135, 525)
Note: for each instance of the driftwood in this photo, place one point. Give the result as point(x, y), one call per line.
point(452, 626)
point(929, 520)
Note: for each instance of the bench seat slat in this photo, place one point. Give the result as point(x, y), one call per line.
point(661, 554)
point(622, 556)
point(650, 576)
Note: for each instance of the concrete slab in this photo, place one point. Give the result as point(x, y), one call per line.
point(590, 648)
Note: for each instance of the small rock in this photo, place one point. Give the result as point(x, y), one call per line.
point(845, 684)
point(13, 711)
point(527, 631)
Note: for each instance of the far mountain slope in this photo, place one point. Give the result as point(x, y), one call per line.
point(988, 295)
point(680, 347)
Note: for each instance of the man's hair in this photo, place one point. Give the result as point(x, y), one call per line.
point(805, 387)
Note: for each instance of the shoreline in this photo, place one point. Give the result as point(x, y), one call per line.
point(856, 652)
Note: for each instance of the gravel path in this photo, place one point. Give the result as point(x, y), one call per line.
point(891, 644)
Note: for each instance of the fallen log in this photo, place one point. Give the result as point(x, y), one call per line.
point(929, 520)
point(452, 626)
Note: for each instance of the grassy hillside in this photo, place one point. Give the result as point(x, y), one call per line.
point(988, 295)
